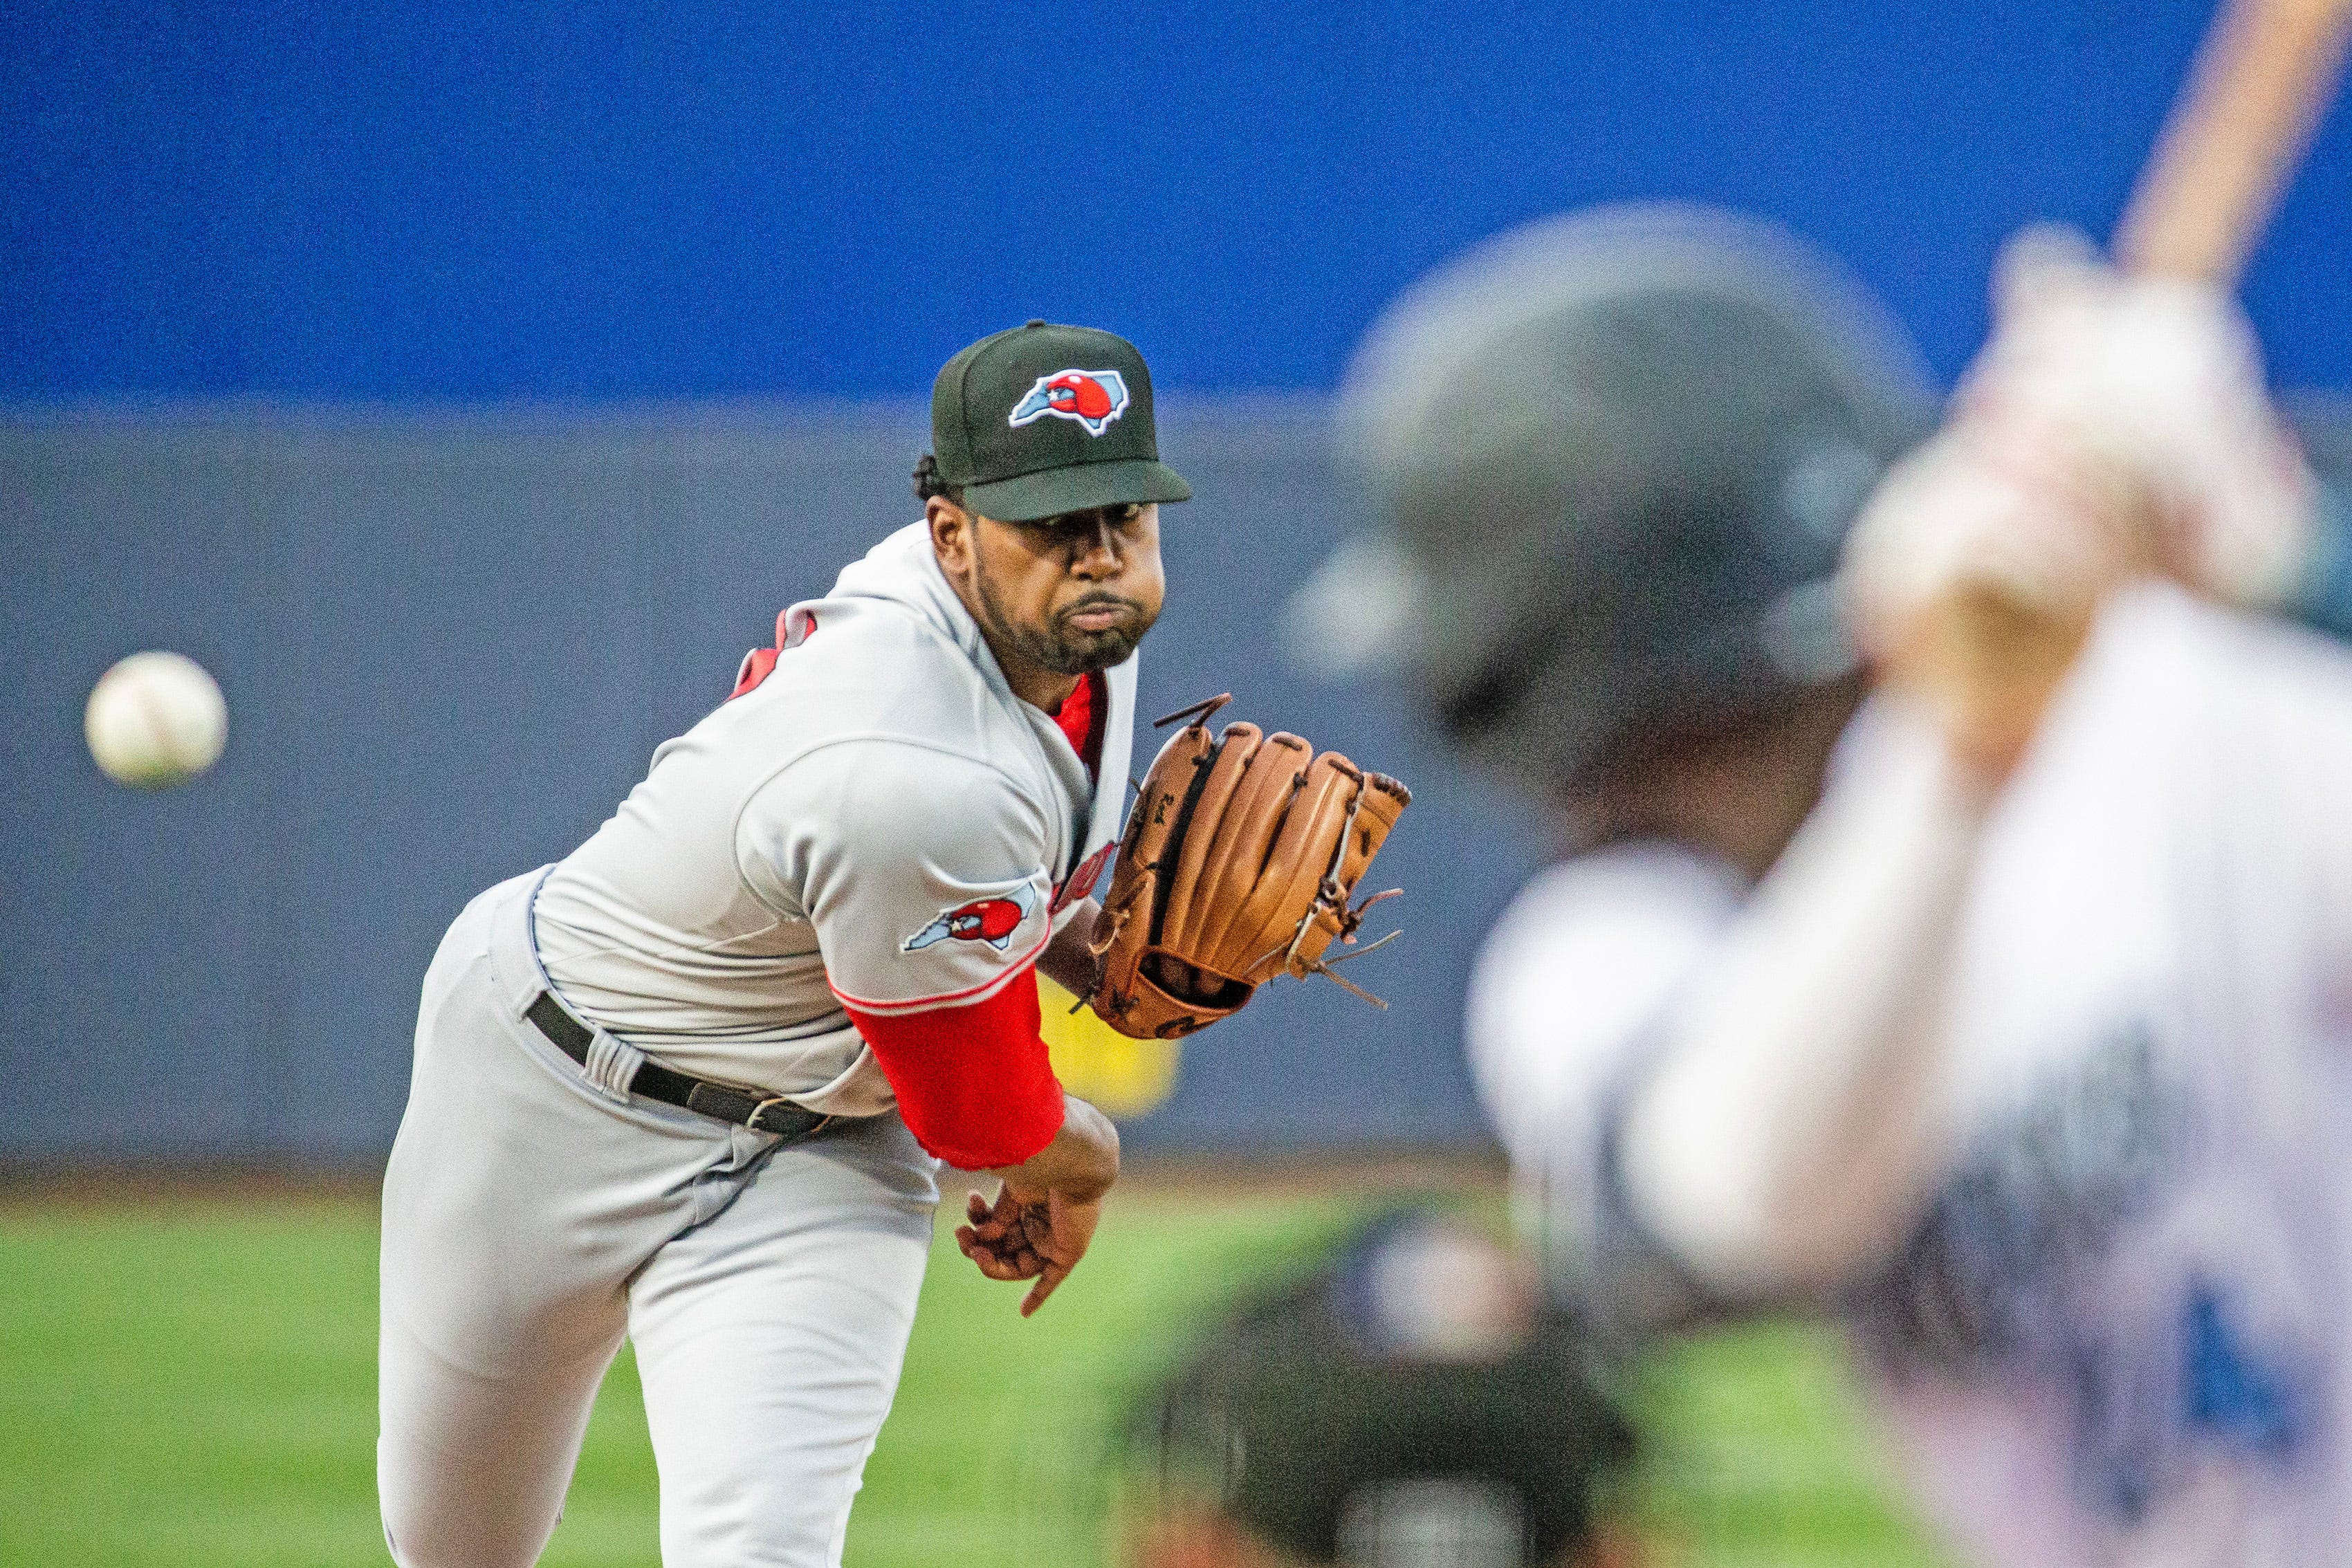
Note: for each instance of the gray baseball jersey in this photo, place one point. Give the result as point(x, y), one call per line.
point(878, 824)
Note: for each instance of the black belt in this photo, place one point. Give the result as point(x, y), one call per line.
point(721, 1102)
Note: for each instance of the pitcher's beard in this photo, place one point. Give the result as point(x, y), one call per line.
point(1064, 652)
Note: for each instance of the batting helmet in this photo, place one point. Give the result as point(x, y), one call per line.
point(1612, 457)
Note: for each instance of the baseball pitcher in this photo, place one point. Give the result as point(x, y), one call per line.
point(691, 1084)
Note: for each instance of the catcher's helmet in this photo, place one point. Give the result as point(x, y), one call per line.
point(1612, 457)
point(1417, 1399)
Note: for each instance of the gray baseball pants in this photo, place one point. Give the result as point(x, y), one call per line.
point(530, 1221)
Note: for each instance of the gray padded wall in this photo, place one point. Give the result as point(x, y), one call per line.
point(449, 643)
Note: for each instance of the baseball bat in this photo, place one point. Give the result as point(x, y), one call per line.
point(2262, 80)
point(2264, 74)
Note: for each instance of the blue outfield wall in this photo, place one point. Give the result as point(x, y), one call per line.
point(395, 199)
point(450, 642)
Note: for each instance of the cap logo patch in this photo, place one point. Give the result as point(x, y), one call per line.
point(1093, 398)
point(990, 920)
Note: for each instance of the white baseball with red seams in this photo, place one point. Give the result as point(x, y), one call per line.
point(155, 719)
point(879, 825)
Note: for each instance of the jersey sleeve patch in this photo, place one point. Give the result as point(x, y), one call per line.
point(990, 920)
point(956, 948)
point(965, 952)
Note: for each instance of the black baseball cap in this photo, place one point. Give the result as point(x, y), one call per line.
point(1042, 419)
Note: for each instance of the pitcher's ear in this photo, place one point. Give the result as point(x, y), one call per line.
point(952, 530)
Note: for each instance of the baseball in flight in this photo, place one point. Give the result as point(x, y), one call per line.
point(155, 719)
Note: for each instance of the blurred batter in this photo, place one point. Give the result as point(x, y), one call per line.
point(2036, 1069)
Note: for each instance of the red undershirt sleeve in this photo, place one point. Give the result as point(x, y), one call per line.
point(974, 1083)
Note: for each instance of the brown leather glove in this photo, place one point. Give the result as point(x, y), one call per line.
point(1238, 865)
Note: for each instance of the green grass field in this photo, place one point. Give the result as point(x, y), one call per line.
point(190, 1381)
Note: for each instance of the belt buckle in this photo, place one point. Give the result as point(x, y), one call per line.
point(752, 1121)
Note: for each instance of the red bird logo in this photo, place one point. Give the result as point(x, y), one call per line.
point(1077, 396)
point(1093, 398)
point(990, 920)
